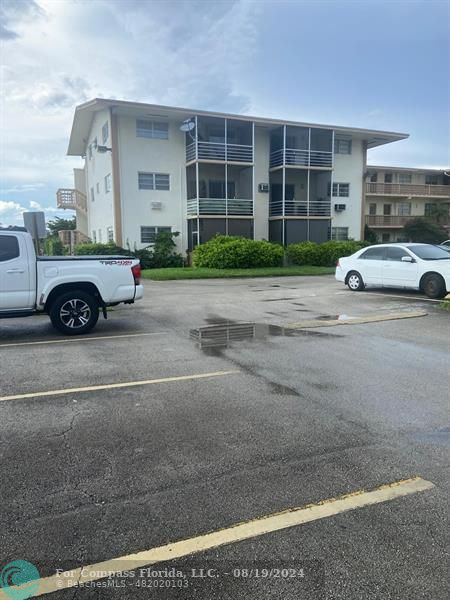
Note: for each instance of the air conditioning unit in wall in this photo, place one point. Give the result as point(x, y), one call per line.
point(263, 187)
point(339, 207)
point(156, 205)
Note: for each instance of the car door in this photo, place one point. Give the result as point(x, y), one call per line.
point(396, 272)
point(370, 264)
point(15, 293)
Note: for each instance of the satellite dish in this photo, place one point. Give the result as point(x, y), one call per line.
point(187, 125)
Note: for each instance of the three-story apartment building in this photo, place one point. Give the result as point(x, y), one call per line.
point(396, 195)
point(150, 168)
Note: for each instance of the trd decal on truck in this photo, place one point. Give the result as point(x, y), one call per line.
point(117, 262)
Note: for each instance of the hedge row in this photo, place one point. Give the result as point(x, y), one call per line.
point(324, 255)
point(227, 252)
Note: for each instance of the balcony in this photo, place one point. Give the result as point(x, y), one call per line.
point(407, 189)
point(219, 151)
point(299, 208)
point(220, 206)
point(383, 221)
point(294, 157)
point(71, 199)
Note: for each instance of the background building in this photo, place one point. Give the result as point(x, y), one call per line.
point(150, 168)
point(396, 195)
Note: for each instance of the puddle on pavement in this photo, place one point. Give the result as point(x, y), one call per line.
point(223, 334)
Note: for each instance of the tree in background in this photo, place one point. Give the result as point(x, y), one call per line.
point(424, 231)
point(60, 224)
point(370, 235)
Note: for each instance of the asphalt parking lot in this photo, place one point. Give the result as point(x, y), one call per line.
point(217, 402)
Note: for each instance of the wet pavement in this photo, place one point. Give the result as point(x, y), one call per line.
point(288, 417)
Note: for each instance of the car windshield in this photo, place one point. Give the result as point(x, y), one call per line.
point(429, 252)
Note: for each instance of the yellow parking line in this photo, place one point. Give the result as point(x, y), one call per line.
point(81, 339)
point(236, 533)
point(357, 320)
point(112, 386)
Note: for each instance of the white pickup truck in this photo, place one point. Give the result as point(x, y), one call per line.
point(71, 290)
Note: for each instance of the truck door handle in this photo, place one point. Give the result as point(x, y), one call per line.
point(16, 271)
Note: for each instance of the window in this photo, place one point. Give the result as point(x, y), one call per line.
point(386, 237)
point(342, 146)
point(154, 181)
point(372, 209)
point(387, 209)
point(105, 132)
point(148, 234)
point(108, 183)
point(152, 129)
point(98, 188)
point(9, 247)
point(395, 253)
point(94, 236)
point(109, 234)
point(342, 190)
point(430, 209)
point(431, 179)
point(388, 178)
point(339, 233)
point(404, 178)
point(374, 177)
point(92, 195)
point(376, 253)
point(404, 209)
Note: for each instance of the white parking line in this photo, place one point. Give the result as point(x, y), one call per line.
point(113, 386)
point(81, 339)
point(235, 533)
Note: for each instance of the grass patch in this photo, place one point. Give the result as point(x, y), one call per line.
point(445, 305)
point(204, 273)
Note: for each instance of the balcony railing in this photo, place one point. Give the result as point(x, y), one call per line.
point(399, 221)
point(407, 189)
point(219, 151)
point(72, 199)
point(220, 206)
point(300, 208)
point(293, 157)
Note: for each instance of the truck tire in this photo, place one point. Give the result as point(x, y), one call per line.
point(74, 313)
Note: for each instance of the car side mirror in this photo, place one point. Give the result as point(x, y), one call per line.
point(408, 259)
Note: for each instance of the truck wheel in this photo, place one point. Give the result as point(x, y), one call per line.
point(74, 313)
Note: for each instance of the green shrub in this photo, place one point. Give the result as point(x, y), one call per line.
point(304, 253)
point(53, 246)
point(322, 255)
point(159, 256)
point(99, 249)
point(228, 252)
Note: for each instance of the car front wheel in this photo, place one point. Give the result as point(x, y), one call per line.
point(74, 313)
point(355, 281)
point(434, 286)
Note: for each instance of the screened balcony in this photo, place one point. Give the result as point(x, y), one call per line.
point(301, 147)
point(225, 190)
point(220, 140)
point(303, 195)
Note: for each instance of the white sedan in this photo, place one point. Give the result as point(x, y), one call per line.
point(421, 267)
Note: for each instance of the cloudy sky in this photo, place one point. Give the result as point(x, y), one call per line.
point(365, 63)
